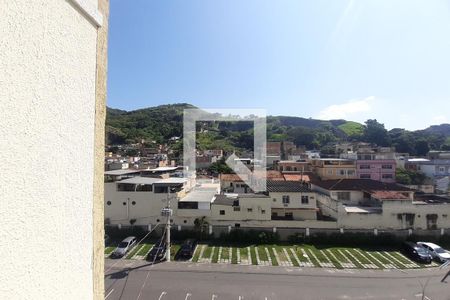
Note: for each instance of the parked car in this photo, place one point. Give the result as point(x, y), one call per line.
point(158, 252)
point(124, 246)
point(416, 252)
point(436, 251)
point(187, 249)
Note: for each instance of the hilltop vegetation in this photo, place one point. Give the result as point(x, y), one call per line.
point(163, 122)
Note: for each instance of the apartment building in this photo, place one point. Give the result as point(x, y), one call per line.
point(369, 204)
point(334, 168)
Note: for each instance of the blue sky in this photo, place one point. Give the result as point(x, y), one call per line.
point(382, 59)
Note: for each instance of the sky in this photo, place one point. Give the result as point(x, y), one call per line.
point(336, 59)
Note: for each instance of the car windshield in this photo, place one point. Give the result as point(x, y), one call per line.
point(123, 245)
point(439, 250)
point(421, 250)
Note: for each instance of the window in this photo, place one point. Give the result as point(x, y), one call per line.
point(222, 212)
point(285, 199)
point(184, 221)
point(387, 176)
point(365, 167)
point(441, 169)
point(342, 172)
point(237, 208)
point(386, 167)
point(343, 195)
point(237, 225)
point(124, 203)
point(263, 211)
point(305, 199)
point(249, 209)
point(274, 200)
point(350, 172)
point(364, 176)
point(133, 203)
point(144, 188)
point(330, 172)
point(108, 203)
point(126, 187)
point(289, 215)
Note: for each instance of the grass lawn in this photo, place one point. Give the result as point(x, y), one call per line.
point(225, 255)
point(145, 249)
point(134, 251)
point(196, 255)
point(207, 252)
point(215, 256)
point(109, 250)
point(173, 250)
point(253, 255)
point(262, 253)
point(234, 255)
point(272, 256)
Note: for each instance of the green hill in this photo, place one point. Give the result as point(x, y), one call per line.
point(163, 122)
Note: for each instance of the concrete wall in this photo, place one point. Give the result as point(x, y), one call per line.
point(48, 61)
point(260, 210)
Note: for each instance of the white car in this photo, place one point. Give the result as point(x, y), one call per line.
point(436, 251)
point(124, 247)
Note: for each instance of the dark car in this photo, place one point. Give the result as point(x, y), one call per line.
point(187, 249)
point(158, 252)
point(416, 252)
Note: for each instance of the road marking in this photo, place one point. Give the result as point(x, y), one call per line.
point(241, 298)
point(187, 296)
point(162, 295)
point(110, 292)
point(214, 297)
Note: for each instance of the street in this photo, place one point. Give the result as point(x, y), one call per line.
point(172, 281)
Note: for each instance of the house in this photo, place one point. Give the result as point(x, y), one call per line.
point(291, 200)
point(368, 204)
point(240, 208)
point(334, 168)
point(286, 166)
point(376, 163)
point(436, 169)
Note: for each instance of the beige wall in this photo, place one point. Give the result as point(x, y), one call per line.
point(147, 207)
point(257, 205)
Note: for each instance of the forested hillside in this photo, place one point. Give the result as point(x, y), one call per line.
point(161, 123)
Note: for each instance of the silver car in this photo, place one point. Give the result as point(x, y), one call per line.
point(436, 251)
point(124, 246)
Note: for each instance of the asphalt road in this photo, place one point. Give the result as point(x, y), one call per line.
point(135, 280)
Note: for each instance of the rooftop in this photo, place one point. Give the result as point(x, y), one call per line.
point(359, 185)
point(152, 180)
point(201, 194)
point(287, 186)
point(121, 172)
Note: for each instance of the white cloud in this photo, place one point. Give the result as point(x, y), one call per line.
point(437, 120)
point(348, 109)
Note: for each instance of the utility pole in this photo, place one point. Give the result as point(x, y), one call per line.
point(167, 211)
point(168, 225)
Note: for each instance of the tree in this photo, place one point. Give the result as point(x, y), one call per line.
point(375, 133)
point(410, 177)
point(422, 147)
point(201, 225)
point(220, 167)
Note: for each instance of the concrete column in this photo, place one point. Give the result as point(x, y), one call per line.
point(274, 230)
point(149, 227)
point(375, 231)
point(442, 231)
point(341, 230)
point(409, 231)
point(229, 229)
point(307, 231)
point(179, 227)
point(119, 226)
point(210, 229)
